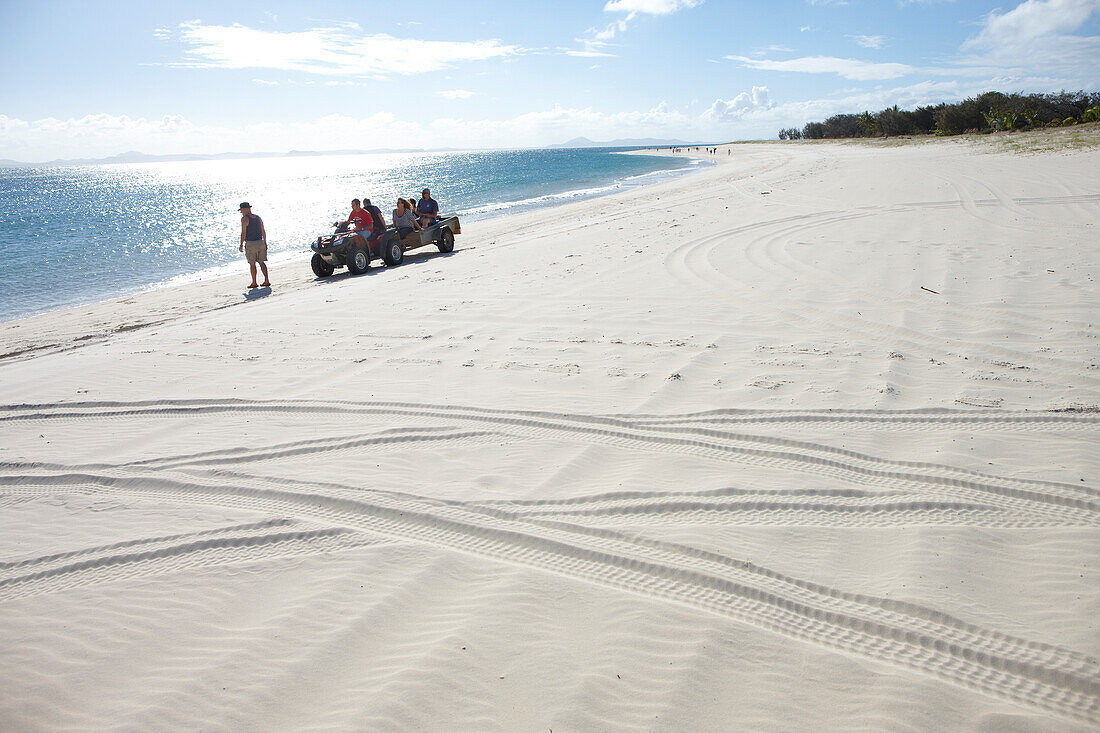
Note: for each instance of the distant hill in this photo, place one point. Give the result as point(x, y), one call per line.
point(643, 142)
point(133, 156)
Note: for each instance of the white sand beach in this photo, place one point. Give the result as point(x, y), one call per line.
point(807, 440)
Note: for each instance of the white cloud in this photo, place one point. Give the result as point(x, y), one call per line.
point(1055, 56)
point(869, 41)
point(93, 135)
point(595, 40)
point(103, 135)
point(1032, 20)
point(265, 82)
point(12, 126)
point(762, 121)
point(736, 108)
point(847, 68)
point(558, 124)
point(914, 95)
point(456, 94)
point(588, 54)
point(750, 114)
point(761, 50)
point(1038, 37)
point(329, 50)
point(649, 7)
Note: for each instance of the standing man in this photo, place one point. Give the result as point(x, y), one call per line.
point(254, 243)
point(427, 208)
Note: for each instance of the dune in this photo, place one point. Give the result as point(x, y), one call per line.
point(807, 440)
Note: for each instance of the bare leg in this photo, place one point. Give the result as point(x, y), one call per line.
point(252, 268)
point(267, 280)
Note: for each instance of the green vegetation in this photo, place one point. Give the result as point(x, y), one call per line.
point(988, 112)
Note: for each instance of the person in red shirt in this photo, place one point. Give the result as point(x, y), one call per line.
point(368, 224)
point(359, 215)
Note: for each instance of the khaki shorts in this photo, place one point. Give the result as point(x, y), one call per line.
point(255, 251)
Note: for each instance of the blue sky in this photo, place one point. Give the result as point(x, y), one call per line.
point(90, 79)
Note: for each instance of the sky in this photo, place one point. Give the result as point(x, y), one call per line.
point(89, 78)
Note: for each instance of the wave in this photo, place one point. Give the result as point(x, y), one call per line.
point(507, 208)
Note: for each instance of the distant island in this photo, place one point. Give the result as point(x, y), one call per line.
point(134, 156)
point(645, 142)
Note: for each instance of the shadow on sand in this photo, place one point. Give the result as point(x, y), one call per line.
point(379, 269)
point(257, 293)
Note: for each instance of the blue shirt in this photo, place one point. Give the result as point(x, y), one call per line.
point(253, 231)
point(427, 206)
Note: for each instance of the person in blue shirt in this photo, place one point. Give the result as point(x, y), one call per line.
point(371, 208)
point(427, 208)
point(254, 243)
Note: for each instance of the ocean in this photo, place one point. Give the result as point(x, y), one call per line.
point(75, 235)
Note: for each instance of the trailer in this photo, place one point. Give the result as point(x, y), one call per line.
point(344, 247)
point(441, 233)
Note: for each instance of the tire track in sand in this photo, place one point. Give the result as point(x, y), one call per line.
point(158, 556)
point(1049, 677)
point(693, 262)
point(1049, 501)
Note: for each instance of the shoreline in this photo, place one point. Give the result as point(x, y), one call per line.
point(477, 214)
point(121, 313)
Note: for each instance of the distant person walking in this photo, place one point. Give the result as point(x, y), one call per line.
point(254, 243)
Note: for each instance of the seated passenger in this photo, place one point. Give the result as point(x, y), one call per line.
point(378, 228)
point(403, 219)
point(427, 208)
point(371, 208)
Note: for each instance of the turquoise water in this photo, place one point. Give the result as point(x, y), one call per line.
point(81, 234)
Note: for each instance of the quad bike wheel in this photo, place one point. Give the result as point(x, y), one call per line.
point(394, 253)
point(320, 267)
point(358, 260)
